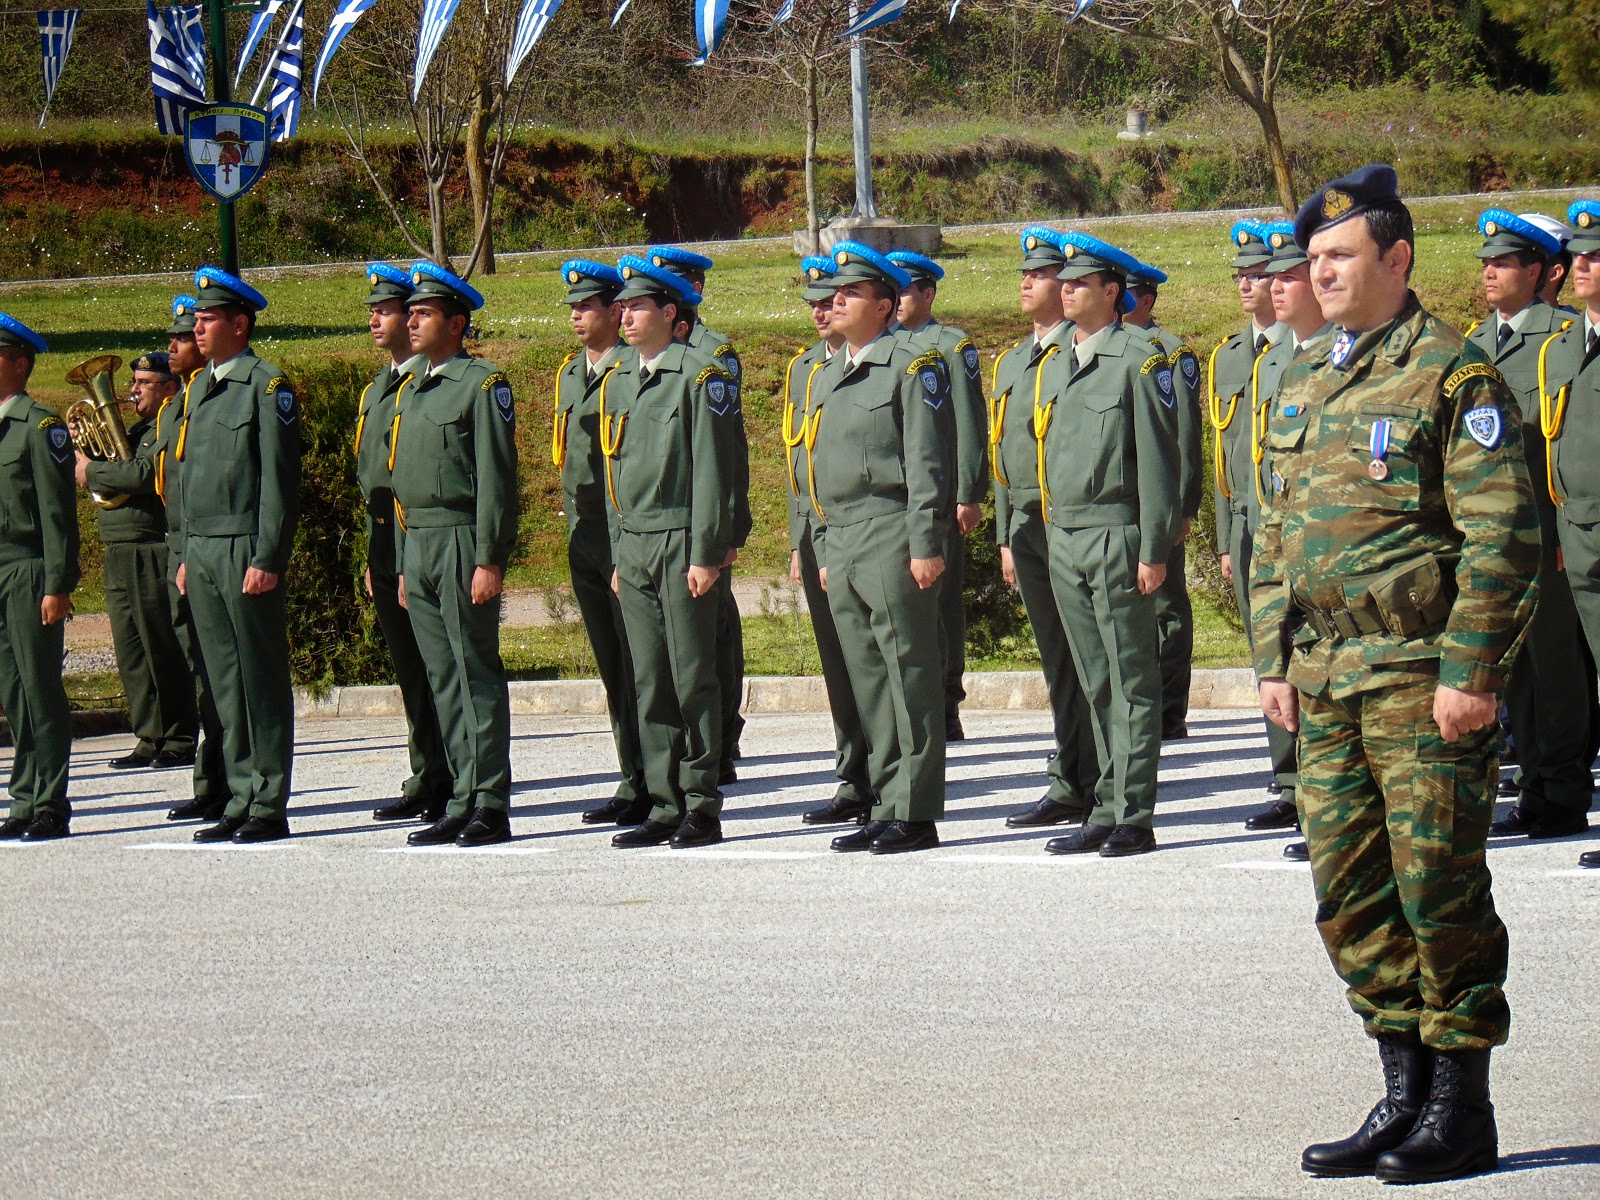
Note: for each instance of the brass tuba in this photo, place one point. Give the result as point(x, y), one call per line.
point(95, 423)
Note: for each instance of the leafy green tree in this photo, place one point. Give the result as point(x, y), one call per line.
point(1563, 34)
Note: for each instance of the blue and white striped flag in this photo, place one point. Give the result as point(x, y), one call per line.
point(259, 24)
point(56, 28)
point(436, 17)
point(621, 8)
point(1079, 7)
point(785, 11)
point(176, 81)
point(531, 24)
point(283, 104)
point(344, 18)
point(878, 14)
point(710, 26)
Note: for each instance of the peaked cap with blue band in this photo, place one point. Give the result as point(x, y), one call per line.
point(14, 333)
point(1584, 216)
point(1286, 252)
point(215, 288)
point(1087, 255)
point(585, 279)
point(388, 283)
point(920, 267)
point(433, 282)
point(182, 315)
point(1041, 249)
point(1374, 186)
point(853, 262)
point(679, 261)
point(1507, 233)
point(1249, 239)
point(1146, 274)
point(818, 270)
point(641, 277)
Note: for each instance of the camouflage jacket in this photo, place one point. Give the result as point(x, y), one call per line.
point(1422, 568)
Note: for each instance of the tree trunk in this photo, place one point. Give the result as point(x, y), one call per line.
point(1256, 91)
point(479, 175)
point(1267, 114)
point(436, 212)
point(813, 224)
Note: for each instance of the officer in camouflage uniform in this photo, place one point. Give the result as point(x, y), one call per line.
point(575, 449)
point(453, 470)
point(917, 324)
point(852, 799)
point(150, 660)
point(238, 455)
point(1553, 684)
point(708, 343)
point(1107, 423)
point(38, 570)
point(669, 430)
point(426, 793)
point(1395, 579)
point(1174, 612)
point(1020, 530)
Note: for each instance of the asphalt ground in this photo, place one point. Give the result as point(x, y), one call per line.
point(336, 1016)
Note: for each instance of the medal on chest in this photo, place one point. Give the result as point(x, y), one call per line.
point(1378, 468)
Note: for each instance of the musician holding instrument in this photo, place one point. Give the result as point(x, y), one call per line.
point(38, 570)
point(117, 466)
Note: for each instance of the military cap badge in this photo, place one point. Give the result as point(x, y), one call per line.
point(1336, 203)
point(1242, 237)
point(416, 277)
point(1069, 251)
point(814, 273)
point(1279, 241)
point(372, 278)
point(202, 280)
point(573, 276)
point(1032, 243)
point(180, 310)
point(1490, 228)
point(1585, 219)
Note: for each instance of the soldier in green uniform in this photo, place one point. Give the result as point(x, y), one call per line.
point(1553, 682)
point(238, 459)
point(880, 460)
point(1174, 612)
point(708, 343)
point(852, 799)
point(38, 570)
point(916, 322)
point(1020, 530)
point(1569, 375)
point(426, 793)
point(1228, 377)
point(669, 432)
point(150, 661)
point(1395, 579)
point(453, 471)
point(575, 449)
point(1107, 423)
point(184, 360)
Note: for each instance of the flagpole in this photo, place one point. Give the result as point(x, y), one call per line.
point(277, 53)
point(222, 93)
point(866, 206)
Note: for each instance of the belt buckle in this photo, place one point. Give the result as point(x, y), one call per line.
point(1344, 624)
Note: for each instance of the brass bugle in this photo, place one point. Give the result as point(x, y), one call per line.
point(95, 423)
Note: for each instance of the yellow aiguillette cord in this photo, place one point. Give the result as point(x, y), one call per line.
point(1041, 424)
point(558, 429)
point(1219, 422)
point(394, 430)
point(1552, 419)
point(811, 427)
point(361, 421)
point(997, 420)
point(609, 445)
point(1258, 425)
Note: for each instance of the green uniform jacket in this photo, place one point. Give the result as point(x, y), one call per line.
point(1013, 450)
point(38, 496)
point(575, 443)
point(798, 384)
point(455, 454)
point(1569, 407)
point(1191, 421)
point(884, 442)
point(1228, 377)
point(966, 391)
point(1266, 387)
point(168, 476)
point(709, 344)
point(1430, 570)
point(670, 447)
point(239, 451)
point(143, 518)
point(374, 429)
point(1110, 433)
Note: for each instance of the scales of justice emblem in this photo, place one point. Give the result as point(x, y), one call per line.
point(226, 148)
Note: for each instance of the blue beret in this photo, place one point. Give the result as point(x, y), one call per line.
point(1286, 252)
point(182, 315)
point(676, 259)
point(1507, 233)
point(433, 282)
point(1249, 240)
point(156, 362)
point(216, 288)
point(919, 266)
point(1584, 215)
point(641, 277)
point(585, 279)
point(1085, 255)
point(852, 261)
point(818, 270)
point(388, 283)
point(1145, 273)
point(14, 333)
point(1041, 248)
point(1372, 186)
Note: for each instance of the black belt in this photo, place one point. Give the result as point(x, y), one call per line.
point(1338, 624)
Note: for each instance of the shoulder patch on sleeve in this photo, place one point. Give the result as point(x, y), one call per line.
point(1187, 364)
point(722, 389)
point(1158, 365)
point(282, 397)
point(1470, 371)
point(1154, 363)
point(1484, 426)
point(929, 358)
point(728, 357)
point(969, 356)
point(932, 375)
point(57, 440)
point(499, 389)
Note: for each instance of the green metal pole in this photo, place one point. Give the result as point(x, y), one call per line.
point(222, 93)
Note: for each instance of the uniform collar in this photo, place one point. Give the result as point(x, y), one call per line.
point(1518, 320)
point(452, 368)
point(1101, 341)
point(602, 364)
point(1320, 335)
point(13, 406)
point(1056, 337)
point(875, 352)
point(236, 367)
point(1589, 325)
point(670, 359)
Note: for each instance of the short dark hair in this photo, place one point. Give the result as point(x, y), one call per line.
point(239, 310)
point(1564, 261)
point(1141, 287)
point(1391, 223)
point(28, 353)
point(883, 290)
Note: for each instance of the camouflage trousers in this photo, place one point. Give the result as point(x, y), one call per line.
point(1396, 819)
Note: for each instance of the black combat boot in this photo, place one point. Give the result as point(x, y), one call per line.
point(1407, 1068)
point(1456, 1134)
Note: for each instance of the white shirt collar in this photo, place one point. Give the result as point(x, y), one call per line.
point(1516, 322)
point(13, 401)
point(225, 370)
point(1083, 351)
point(1589, 325)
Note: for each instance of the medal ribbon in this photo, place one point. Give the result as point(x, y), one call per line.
point(1381, 431)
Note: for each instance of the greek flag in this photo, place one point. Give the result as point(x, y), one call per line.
point(259, 24)
point(56, 27)
point(436, 16)
point(344, 17)
point(1079, 7)
point(785, 11)
point(710, 25)
point(177, 63)
point(878, 14)
point(621, 8)
point(531, 24)
point(283, 104)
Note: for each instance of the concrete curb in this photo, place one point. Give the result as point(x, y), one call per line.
point(1232, 687)
point(92, 722)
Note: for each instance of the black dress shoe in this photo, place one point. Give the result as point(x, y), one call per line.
point(1127, 840)
point(607, 813)
point(1274, 788)
point(1297, 852)
point(1175, 732)
point(199, 809)
point(697, 829)
point(651, 833)
point(402, 809)
point(861, 839)
point(1407, 1076)
point(902, 837)
point(1509, 788)
point(171, 760)
point(11, 828)
point(222, 831)
point(953, 731)
point(488, 827)
point(1280, 814)
point(837, 811)
point(131, 762)
point(727, 775)
point(1558, 825)
point(47, 827)
point(1514, 824)
point(1047, 812)
point(262, 829)
point(442, 832)
point(1080, 841)
point(1589, 858)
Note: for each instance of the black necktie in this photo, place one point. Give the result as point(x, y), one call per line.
point(1590, 346)
point(1501, 338)
point(1261, 343)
